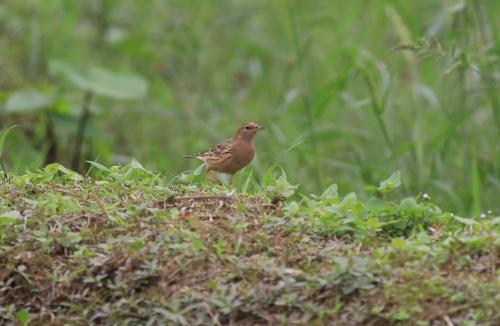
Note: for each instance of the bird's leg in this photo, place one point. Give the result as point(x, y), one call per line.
point(231, 186)
point(212, 177)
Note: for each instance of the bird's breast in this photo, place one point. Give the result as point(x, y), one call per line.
point(243, 155)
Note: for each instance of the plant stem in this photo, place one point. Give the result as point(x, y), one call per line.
point(82, 124)
point(378, 110)
point(102, 21)
point(305, 84)
point(50, 136)
point(3, 169)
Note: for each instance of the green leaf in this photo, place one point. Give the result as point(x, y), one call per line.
point(463, 220)
point(495, 221)
point(27, 101)
point(101, 81)
point(23, 315)
point(53, 168)
point(373, 223)
point(136, 165)
point(402, 314)
point(408, 203)
point(283, 187)
point(349, 200)
point(399, 243)
point(393, 182)
point(220, 248)
point(199, 170)
point(197, 243)
point(330, 192)
point(3, 136)
point(99, 166)
point(9, 217)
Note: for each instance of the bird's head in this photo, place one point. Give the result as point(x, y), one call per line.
point(247, 131)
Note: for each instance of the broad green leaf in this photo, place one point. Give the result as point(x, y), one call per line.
point(136, 165)
point(375, 204)
point(331, 192)
point(77, 77)
point(27, 101)
point(393, 182)
point(102, 81)
point(54, 167)
point(408, 203)
point(283, 187)
point(3, 136)
point(118, 86)
point(350, 199)
point(99, 166)
point(74, 176)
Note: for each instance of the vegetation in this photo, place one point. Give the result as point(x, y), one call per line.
point(319, 229)
point(130, 247)
point(349, 91)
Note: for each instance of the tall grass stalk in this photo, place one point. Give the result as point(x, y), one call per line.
point(80, 133)
point(378, 108)
point(305, 86)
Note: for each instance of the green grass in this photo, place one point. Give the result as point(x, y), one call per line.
point(131, 247)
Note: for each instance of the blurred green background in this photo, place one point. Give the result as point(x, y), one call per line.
point(349, 91)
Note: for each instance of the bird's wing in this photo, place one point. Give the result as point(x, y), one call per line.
point(222, 149)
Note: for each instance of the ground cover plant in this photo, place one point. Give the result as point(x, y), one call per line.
point(129, 246)
point(348, 91)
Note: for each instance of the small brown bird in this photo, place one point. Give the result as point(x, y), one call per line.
point(231, 155)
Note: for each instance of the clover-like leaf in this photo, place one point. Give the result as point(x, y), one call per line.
point(331, 192)
point(391, 183)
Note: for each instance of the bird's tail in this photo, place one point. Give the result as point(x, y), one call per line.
point(193, 156)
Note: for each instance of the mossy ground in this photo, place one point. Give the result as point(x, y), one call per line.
point(126, 247)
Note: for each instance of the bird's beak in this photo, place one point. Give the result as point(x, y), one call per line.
point(260, 128)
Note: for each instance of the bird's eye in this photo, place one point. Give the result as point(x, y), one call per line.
point(247, 127)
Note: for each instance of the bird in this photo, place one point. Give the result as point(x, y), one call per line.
point(233, 154)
